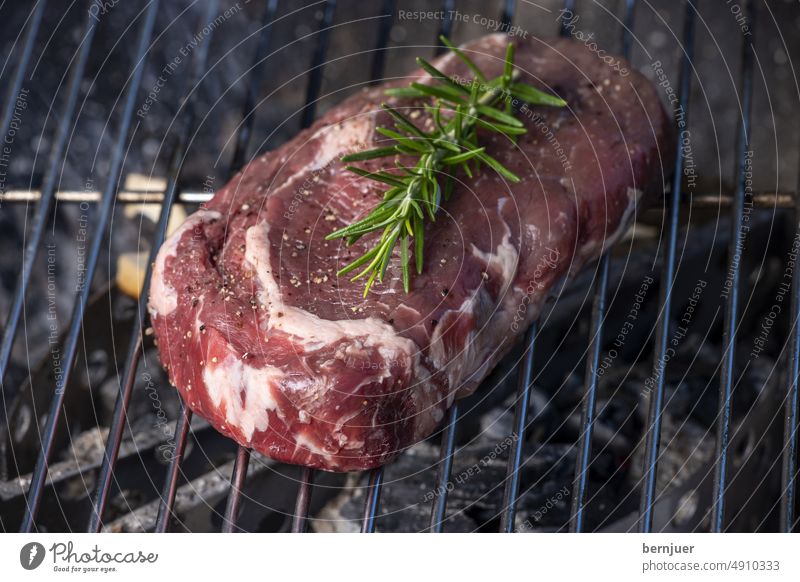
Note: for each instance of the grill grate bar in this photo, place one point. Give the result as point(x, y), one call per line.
point(627, 27)
point(242, 140)
point(239, 156)
point(39, 477)
point(524, 383)
point(119, 418)
point(655, 411)
point(318, 64)
point(300, 517)
point(171, 482)
point(243, 135)
point(591, 380)
point(507, 16)
point(48, 187)
point(792, 423)
point(34, 24)
point(732, 304)
point(373, 499)
point(237, 478)
point(569, 8)
point(445, 24)
point(312, 93)
point(446, 453)
point(190, 195)
point(235, 497)
point(384, 29)
point(791, 428)
point(588, 413)
point(376, 476)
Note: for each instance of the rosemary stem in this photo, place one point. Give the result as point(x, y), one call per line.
point(416, 190)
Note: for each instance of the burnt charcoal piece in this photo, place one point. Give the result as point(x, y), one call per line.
point(474, 491)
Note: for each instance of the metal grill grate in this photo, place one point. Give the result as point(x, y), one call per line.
point(47, 197)
point(653, 434)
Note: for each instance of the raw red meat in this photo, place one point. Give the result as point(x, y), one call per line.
point(262, 339)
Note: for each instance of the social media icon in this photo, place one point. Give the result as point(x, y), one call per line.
point(31, 555)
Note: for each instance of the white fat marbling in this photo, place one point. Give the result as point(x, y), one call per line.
point(163, 297)
point(505, 258)
point(593, 248)
point(312, 333)
point(335, 141)
point(475, 357)
point(302, 441)
point(226, 380)
point(311, 330)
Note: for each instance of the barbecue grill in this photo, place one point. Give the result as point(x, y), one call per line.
point(732, 205)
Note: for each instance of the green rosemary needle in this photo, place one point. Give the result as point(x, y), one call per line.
point(413, 192)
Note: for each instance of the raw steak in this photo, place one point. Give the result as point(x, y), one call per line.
point(262, 339)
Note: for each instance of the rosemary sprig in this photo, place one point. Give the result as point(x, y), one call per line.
point(413, 191)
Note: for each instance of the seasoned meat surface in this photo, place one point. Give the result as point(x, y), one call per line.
point(263, 339)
